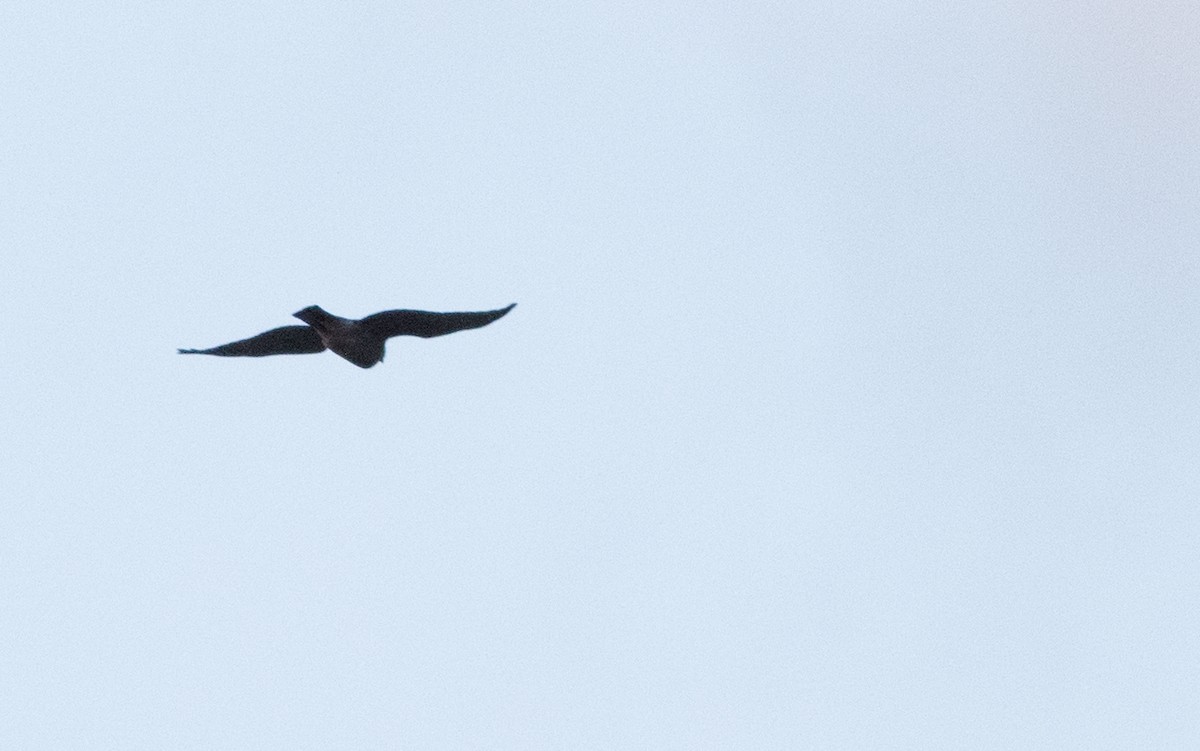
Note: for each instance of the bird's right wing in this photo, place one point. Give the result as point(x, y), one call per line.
point(426, 324)
point(285, 340)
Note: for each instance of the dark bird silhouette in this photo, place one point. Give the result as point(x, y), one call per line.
point(359, 341)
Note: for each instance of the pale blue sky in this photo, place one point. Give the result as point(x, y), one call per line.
point(850, 400)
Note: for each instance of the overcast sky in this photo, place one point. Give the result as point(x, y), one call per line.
point(849, 401)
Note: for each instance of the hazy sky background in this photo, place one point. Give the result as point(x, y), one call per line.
point(850, 400)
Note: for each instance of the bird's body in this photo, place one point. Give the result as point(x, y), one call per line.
point(344, 337)
point(359, 341)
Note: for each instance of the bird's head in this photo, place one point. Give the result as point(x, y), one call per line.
point(311, 315)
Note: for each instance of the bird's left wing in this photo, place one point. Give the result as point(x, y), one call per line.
point(426, 324)
point(285, 340)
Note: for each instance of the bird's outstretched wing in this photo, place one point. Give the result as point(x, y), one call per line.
point(285, 340)
point(425, 324)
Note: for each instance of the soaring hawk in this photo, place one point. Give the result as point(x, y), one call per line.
point(359, 341)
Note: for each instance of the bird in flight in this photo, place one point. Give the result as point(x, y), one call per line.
point(359, 341)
